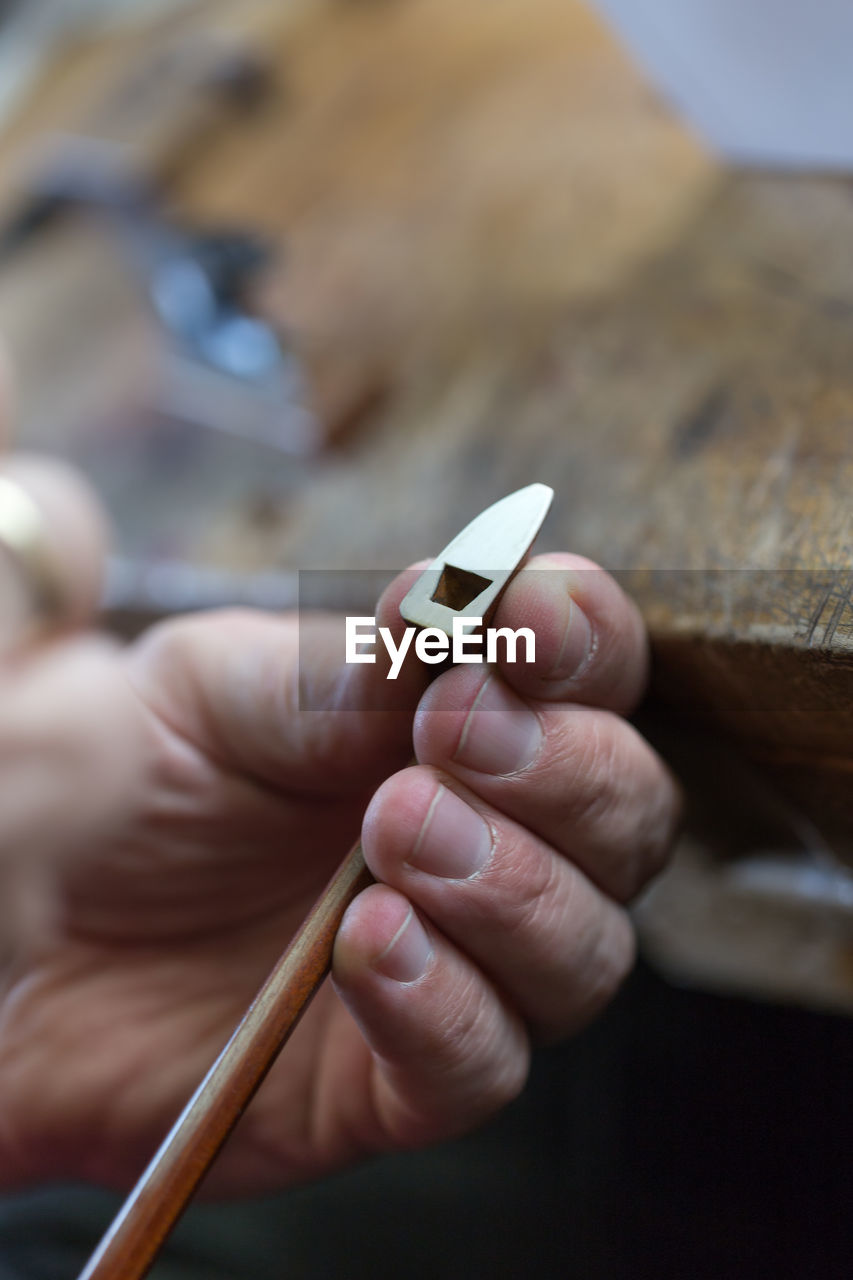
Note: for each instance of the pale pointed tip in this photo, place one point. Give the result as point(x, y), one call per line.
point(541, 491)
point(475, 567)
point(536, 491)
point(534, 498)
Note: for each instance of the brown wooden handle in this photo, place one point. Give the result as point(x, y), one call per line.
point(135, 1238)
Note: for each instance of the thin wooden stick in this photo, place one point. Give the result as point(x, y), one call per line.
point(137, 1235)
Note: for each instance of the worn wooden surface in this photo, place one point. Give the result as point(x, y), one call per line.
point(507, 261)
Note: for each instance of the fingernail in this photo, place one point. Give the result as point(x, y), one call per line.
point(454, 841)
point(407, 954)
point(576, 645)
point(501, 734)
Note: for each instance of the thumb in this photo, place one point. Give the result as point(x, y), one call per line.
point(273, 697)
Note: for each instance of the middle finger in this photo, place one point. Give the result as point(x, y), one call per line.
point(580, 778)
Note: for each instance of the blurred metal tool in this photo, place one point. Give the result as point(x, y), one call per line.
point(154, 589)
point(225, 367)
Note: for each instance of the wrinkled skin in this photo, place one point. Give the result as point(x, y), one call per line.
point(168, 813)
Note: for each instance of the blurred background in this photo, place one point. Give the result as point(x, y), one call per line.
point(305, 285)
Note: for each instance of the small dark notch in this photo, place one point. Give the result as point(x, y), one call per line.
point(457, 588)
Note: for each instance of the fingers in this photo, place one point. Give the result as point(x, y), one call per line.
point(581, 779)
point(275, 698)
point(445, 968)
point(448, 1050)
point(502, 857)
point(554, 945)
point(67, 545)
point(590, 640)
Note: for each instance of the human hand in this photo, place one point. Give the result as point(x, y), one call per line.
point(242, 808)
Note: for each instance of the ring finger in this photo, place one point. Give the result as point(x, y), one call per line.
point(551, 941)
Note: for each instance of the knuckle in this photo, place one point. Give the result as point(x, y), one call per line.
point(619, 951)
point(464, 1019)
point(507, 1079)
point(662, 822)
point(585, 752)
point(532, 888)
point(650, 820)
point(596, 976)
point(620, 654)
point(472, 1034)
point(175, 641)
point(162, 646)
point(622, 804)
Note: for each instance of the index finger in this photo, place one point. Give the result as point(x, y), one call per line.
point(590, 640)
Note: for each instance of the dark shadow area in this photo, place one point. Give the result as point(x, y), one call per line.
point(684, 1135)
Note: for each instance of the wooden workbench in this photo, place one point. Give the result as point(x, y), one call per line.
point(506, 260)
